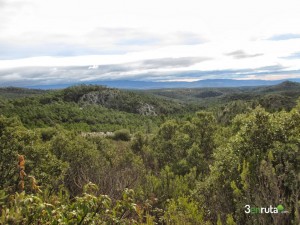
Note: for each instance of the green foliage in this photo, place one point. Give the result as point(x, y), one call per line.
point(15, 92)
point(168, 185)
point(185, 145)
point(252, 153)
point(193, 168)
point(90, 108)
point(273, 98)
point(40, 163)
point(122, 135)
point(219, 221)
point(82, 163)
point(230, 220)
point(183, 211)
point(85, 209)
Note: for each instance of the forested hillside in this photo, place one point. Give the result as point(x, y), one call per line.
point(89, 108)
point(277, 97)
point(95, 155)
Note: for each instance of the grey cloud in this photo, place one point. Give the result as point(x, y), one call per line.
point(135, 36)
point(225, 74)
point(36, 75)
point(128, 71)
point(2, 3)
point(210, 74)
point(162, 63)
point(172, 62)
point(295, 55)
point(120, 31)
point(124, 36)
point(138, 41)
point(44, 75)
point(271, 68)
point(6, 3)
point(101, 41)
point(219, 74)
point(196, 74)
point(9, 8)
point(16, 3)
point(189, 38)
point(282, 37)
point(240, 54)
point(60, 49)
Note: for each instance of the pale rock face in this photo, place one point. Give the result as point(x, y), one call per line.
point(97, 134)
point(147, 109)
point(108, 98)
point(99, 97)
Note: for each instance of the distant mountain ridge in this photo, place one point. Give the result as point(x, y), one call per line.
point(144, 85)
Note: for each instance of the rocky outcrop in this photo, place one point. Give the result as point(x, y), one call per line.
point(99, 98)
point(97, 134)
point(116, 100)
point(147, 109)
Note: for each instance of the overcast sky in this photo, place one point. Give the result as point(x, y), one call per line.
point(48, 42)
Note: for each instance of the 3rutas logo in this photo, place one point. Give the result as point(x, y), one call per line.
point(260, 210)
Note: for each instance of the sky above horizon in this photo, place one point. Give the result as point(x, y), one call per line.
point(64, 41)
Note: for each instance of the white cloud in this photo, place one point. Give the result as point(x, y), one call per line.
point(91, 33)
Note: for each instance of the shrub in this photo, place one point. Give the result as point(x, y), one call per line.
point(122, 135)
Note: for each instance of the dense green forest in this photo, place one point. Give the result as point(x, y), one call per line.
point(95, 155)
